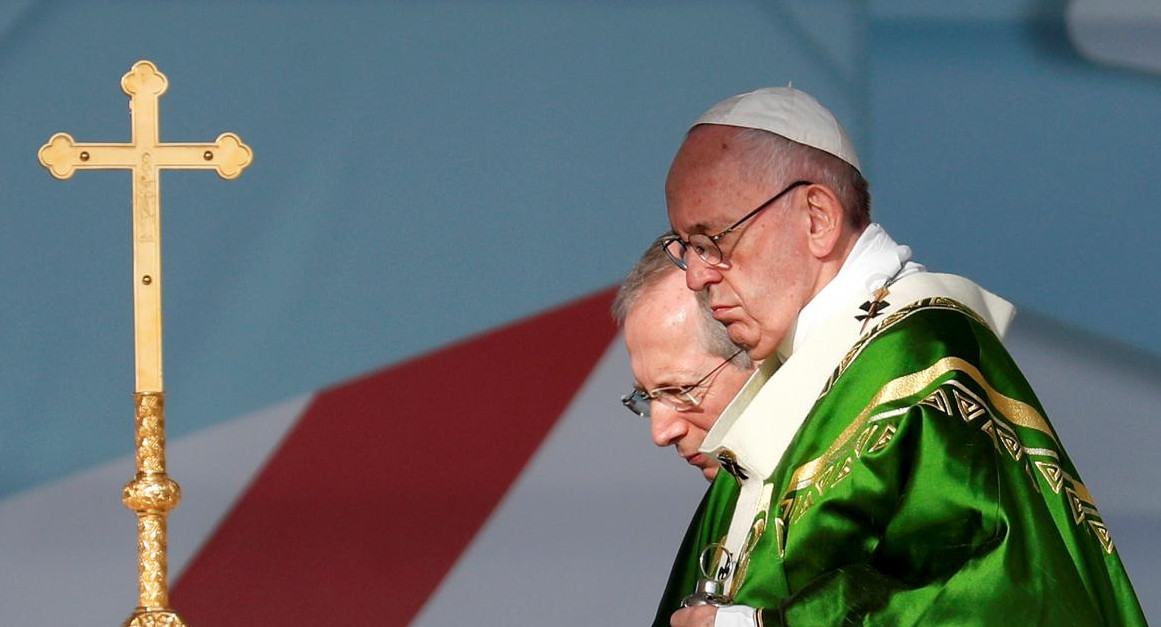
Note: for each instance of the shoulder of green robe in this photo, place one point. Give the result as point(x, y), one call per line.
point(938, 356)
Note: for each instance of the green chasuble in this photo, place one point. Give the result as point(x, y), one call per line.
point(925, 486)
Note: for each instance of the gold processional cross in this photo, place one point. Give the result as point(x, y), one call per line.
point(151, 494)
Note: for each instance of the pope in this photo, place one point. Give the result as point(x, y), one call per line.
point(888, 464)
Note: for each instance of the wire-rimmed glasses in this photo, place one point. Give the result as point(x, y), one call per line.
point(706, 246)
point(679, 397)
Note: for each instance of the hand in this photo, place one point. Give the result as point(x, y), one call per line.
point(701, 616)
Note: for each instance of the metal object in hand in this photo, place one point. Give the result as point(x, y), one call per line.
point(710, 588)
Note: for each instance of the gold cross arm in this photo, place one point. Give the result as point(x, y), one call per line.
point(145, 155)
point(63, 156)
point(144, 85)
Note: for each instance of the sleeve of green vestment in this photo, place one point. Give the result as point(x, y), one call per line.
point(934, 529)
point(707, 527)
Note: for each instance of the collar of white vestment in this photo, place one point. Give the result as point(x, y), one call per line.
point(874, 260)
point(755, 429)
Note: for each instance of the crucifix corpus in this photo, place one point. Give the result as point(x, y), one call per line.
point(151, 494)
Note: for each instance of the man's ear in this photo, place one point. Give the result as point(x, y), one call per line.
point(826, 216)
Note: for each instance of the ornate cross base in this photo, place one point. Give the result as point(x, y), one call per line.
point(152, 494)
point(143, 617)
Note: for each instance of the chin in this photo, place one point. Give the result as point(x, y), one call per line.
point(737, 337)
point(761, 350)
point(759, 354)
point(710, 473)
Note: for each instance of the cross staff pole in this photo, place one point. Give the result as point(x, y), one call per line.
point(151, 494)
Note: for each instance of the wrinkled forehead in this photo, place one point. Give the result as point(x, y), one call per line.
point(709, 182)
point(707, 149)
point(664, 315)
point(667, 353)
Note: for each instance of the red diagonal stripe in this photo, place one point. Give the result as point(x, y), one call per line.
point(385, 480)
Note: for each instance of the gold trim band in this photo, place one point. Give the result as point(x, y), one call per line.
point(1017, 411)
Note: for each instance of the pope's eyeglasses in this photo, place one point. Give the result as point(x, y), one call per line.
point(679, 397)
point(706, 246)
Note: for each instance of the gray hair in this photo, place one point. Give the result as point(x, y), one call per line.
point(771, 157)
point(648, 272)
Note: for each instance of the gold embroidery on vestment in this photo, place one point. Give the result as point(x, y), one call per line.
point(818, 472)
point(1042, 452)
point(1080, 509)
point(780, 531)
point(938, 400)
point(969, 406)
point(1102, 534)
point(1052, 474)
point(864, 439)
point(884, 439)
point(1011, 442)
point(909, 385)
point(844, 471)
point(1033, 481)
point(757, 529)
point(937, 302)
point(990, 429)
point(862, 436)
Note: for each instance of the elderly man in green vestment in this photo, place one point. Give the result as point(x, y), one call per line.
point(888, 464)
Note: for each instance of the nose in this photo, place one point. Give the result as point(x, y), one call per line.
point(665, 424)
point(699, 274)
